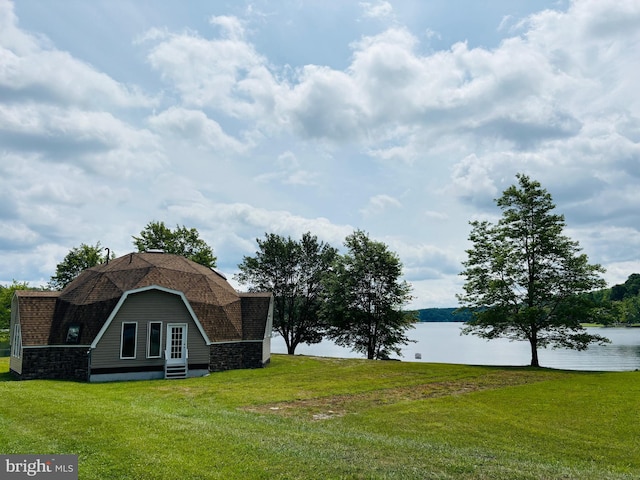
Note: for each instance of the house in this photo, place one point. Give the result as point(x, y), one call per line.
point(140, 316)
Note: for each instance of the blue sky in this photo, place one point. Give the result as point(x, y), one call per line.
point(404, 119)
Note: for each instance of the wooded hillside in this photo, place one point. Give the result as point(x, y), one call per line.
point(443, 315)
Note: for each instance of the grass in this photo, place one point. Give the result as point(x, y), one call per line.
point(305, 417)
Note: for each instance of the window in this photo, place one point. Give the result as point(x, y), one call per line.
point(16, 347)
point(73, 334)
point(155, 340)
point(128, 340)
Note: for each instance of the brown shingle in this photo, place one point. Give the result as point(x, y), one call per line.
point(89, 300)
point(91, 297)
point(255, 310)
point(36, 310)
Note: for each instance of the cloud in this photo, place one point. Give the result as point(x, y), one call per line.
point(472, 180)
point(233, 227)
point(289, 172)
point(379, 9)
point(306, 106)
point(11, 37)
point(421, 253)
point(193, 126)
point(382, 130)
point(231, 27)
point(435, 215)
point(395, 153)
point(49, 202)
point(392, 100)
point(379, 204)
point(239, 217)
point(58, 109)
point(16, 236)
point(226, 74)
point(33, 69)
point(96, 141)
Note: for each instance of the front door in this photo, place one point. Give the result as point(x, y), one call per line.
point(176, 352)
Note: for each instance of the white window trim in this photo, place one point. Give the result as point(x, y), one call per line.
point(16, 347)
point(149, 340)
point(115, 311)
point(135, 341)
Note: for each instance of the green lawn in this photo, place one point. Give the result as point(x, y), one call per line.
point(304, 417)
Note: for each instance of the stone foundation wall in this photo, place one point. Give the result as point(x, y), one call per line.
point(56, 363)
point(231, 356)
point(72, 363)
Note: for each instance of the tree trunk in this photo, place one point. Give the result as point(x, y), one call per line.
point(289, 342)
point(371, 354)
point(534, 352)
point(371, 349)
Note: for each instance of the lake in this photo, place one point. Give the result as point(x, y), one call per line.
point(442, 343)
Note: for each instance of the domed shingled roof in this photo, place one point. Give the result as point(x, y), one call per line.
point(91, 297)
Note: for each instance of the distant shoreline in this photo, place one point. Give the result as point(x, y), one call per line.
point(451, 314)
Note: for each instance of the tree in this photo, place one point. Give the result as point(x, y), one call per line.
point(630, 288)
point(365, 298)
point(181, 241)
point(524, 277)
point(77, 260)
point(293, 271)
point(630, 310)
point(6, 296)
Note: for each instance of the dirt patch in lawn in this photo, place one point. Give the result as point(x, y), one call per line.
point(333, 406)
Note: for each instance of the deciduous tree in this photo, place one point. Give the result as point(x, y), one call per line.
point(181, 241)
point(6, 296)
point(365, 297)
point(293, 271)
point(77, 260)
point(524, 277)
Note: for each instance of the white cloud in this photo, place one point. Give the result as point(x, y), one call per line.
point(11, 37)
point(247, 139)
point(379, 204)
point(232, 27)
point(193, 126)
point(96, 141)
point(289, 172)
point(472, 180)
point(379, 9)
point(233, 227)
point(32, 68)
point(390, 99)
point(435, 215)
point(240, 216)
point(325, 104)
point(226, 74)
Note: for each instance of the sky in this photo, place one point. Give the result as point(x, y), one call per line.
point(405, 119)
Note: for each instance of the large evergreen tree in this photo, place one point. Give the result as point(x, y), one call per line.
point(293, 271)
point(524, 276)
point(365, 297)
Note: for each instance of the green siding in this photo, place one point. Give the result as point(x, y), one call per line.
point(144, 307)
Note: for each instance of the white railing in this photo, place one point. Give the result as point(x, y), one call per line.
point(184, 357)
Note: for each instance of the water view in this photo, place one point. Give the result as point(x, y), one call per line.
point(442, 343)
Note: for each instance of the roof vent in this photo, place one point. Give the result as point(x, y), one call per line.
point(219, 273)
point(155, 250)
